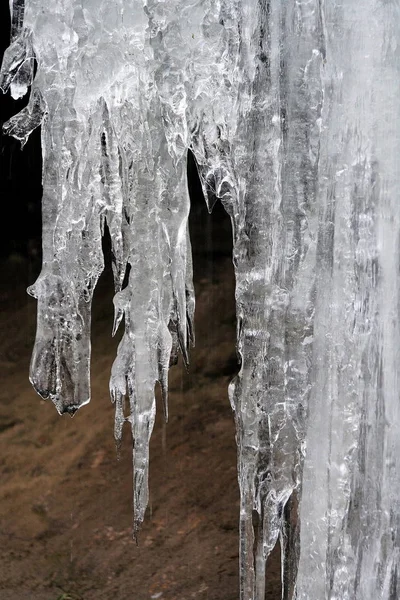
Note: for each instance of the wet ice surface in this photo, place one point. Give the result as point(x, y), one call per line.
point(291, 111)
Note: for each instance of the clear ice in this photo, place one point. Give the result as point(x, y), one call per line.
point(292, 111)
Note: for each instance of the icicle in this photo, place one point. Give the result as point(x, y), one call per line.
point(291, 111)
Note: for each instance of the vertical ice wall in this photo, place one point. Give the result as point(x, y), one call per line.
point(350, 510)
point(291, 109)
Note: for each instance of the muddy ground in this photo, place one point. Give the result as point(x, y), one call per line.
point(65, 501)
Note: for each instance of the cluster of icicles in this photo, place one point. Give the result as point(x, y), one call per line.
point(291, 110)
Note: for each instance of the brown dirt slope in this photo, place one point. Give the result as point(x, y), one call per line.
point(65, 501)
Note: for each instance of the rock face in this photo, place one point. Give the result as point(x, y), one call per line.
point(291, 111)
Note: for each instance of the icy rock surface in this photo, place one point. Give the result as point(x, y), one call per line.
point(291, 110)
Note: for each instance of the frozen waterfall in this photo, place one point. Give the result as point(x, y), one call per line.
point(291, 109)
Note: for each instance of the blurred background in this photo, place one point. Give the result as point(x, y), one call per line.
point(65, 500)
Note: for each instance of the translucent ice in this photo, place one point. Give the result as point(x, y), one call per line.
point(291, 110)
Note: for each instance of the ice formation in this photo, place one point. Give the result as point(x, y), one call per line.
point(291, 109)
